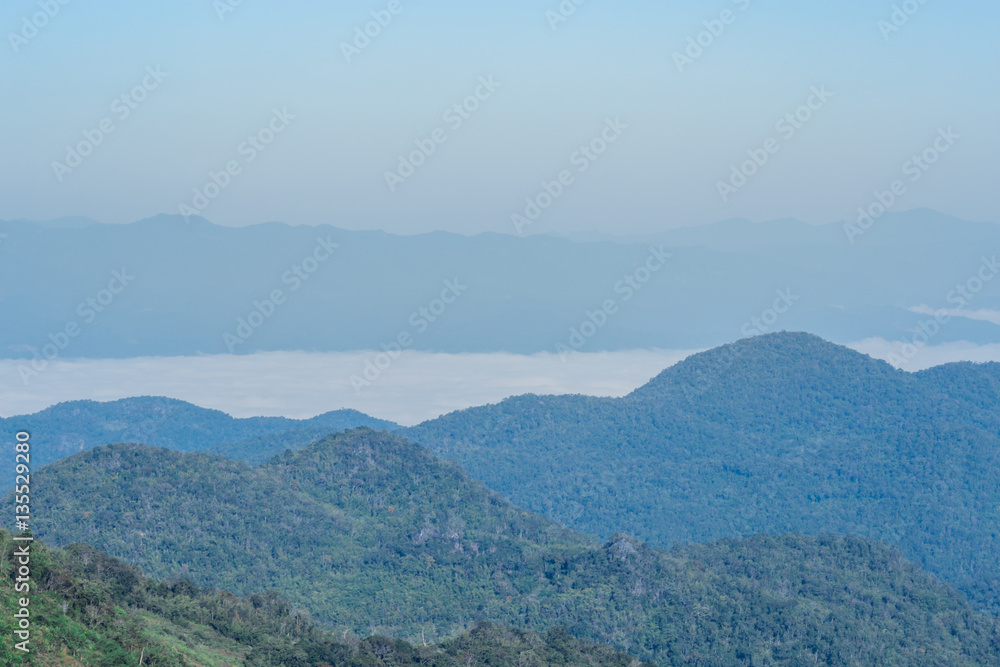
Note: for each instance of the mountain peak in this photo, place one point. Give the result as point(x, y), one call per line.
point(779, 361)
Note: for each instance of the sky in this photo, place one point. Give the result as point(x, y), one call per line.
point(332, 113)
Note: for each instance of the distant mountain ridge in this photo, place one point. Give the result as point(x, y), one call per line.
point(783, 432)
point(67, 428)
point(197, 285)
point(373, 534)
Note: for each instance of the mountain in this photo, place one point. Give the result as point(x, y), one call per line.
point(189, 287)
point(67, 428)
point(778, 433)
point(87, 608)
point(372, 534)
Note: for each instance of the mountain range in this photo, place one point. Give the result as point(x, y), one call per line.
point(75, 426)
point(815, 505)
point(167, 286)
point(782, 432)
point(373, 535)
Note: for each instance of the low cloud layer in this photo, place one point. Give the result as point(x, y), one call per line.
point(414, 387)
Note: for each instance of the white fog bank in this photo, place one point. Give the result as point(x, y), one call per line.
point(415, 387)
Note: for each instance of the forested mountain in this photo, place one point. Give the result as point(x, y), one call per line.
point(261, 448)
point(783, 432)
point(89, 609)
point(67, 428)
point(373, 535)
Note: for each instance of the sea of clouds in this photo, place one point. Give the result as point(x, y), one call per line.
point(418, 385)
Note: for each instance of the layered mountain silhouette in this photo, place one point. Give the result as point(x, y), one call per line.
point(782, 432)
point(198, 288)
point(67, 428)
point(372, 534)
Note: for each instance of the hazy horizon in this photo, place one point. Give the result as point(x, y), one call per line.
point(832, 100)
point(75, 220)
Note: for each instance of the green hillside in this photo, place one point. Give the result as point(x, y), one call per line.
point(779, 433)
point(89, 609)
point(373, 535)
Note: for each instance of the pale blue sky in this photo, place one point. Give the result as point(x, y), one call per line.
point(685, 129)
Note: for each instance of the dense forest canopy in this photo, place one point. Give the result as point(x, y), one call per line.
point(88, 608)
point(779, 433)
point(373, 535)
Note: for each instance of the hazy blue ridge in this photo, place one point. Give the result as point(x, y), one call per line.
point(75, 426)
point(191, 284)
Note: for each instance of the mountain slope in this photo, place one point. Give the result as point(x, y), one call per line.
point(67, 428)
point(779, 433)
point(182, 515)
point(371, 534)
point(87, 608)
